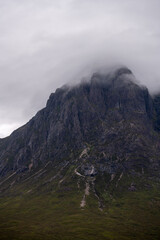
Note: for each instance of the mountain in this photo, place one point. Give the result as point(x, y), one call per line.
point(94, 149)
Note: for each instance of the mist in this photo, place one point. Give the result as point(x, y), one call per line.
point(46, 43)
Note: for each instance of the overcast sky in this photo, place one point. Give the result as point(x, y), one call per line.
point(46, 43)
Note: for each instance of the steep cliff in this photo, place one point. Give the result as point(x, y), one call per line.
point(87, 166)
point(110, 116)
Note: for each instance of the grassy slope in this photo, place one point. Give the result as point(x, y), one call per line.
point(53, 211)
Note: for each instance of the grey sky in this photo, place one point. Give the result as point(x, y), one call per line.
point(46, 43)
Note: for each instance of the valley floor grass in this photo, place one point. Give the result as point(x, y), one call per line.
point(58, 216)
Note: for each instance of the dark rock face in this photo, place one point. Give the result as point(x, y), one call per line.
point(111, 117)
point(156, 102)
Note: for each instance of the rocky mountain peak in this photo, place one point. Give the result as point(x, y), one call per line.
point(94, 147)
point(121, 77)
point(122, 70)
point(110, 113)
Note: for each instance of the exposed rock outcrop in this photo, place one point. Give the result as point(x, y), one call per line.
point(111, 115)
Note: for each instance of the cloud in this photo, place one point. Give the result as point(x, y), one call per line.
point(46, 43)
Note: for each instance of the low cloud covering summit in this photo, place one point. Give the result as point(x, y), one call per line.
point(46, 43)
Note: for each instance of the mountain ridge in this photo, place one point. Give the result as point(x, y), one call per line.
point(82, 114)
point(86, 166)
